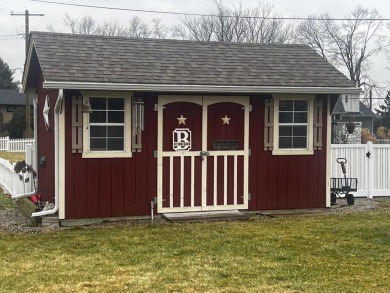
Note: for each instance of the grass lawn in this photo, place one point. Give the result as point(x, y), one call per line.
point(6, 202)
point(13, 157)
point(334, 253)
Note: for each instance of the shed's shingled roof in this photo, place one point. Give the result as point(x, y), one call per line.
point(82, 58)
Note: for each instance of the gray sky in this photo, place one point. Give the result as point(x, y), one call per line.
point(12, 48)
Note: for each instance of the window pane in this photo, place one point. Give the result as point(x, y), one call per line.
point(285, 117)
point(97, 117)
point(115, 131)
point(116, 117)
point(300, 117)
point(106, 137)
point(98, 131)
point(98, 103)
point(285, 142)
point(286, 105)
point(300, 131)
point(300, 105)
point(285, 131)
point(116, 103)
point(293, 124)
point(115, 144)
point(299, 143)
point(98, 144)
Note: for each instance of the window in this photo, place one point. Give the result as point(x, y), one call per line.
point(107, 124)
point(293, 120)
point(12, 108)
point(107, 128)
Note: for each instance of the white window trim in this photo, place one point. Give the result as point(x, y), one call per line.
point(293, 152)
point(87, 153)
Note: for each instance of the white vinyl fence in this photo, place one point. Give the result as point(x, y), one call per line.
point(14, 145)
point(369, 163)
point(17, 184)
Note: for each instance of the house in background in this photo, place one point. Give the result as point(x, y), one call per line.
point(10, 100)
point(123, 124)
point(349, 110)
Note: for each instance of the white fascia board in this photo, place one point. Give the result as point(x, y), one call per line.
point(197, 88)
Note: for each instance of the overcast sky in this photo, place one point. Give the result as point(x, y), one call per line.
point(12, 48)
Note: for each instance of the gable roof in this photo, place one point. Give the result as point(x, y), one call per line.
point(363, 110)
point(67, 59)
point(12, 97)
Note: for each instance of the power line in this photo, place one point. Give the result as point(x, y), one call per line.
point(207, 15)
point(13, 35)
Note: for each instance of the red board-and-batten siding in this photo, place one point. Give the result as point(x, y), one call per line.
point(126, 186)
point(284, 182)
point(46, 142)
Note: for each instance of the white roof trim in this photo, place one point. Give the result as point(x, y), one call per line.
point(197, 88)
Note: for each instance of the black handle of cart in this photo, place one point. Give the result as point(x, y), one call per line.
point(339, 186)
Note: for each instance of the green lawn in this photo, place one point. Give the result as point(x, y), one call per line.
point(6, 202)
point(335, 253)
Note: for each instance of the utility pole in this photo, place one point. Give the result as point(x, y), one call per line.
point(26, 15)
point(371, 98)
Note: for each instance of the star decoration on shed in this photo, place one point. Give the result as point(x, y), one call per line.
point(182, 120)
point(45, 112)
point(225, 120)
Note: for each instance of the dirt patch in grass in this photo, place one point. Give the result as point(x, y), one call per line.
point(384, 203)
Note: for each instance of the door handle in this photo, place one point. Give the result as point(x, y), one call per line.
point(204, 154)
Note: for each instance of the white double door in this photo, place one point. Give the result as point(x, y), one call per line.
point(202, 153)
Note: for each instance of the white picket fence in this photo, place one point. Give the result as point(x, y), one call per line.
point(11, 182)
point(14, 145)
point(369, 163)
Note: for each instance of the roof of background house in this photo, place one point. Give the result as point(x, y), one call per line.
point(102, 59)
point(12, 97)
point(363, 110)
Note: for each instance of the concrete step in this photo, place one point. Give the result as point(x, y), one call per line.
point(205, 216)
point(50, 222)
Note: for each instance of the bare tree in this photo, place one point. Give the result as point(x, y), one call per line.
point(254, 25)
point(312, 33)
point(138, 29)
point(50, 28)
point(265, 26)
point(350, 43)
point(85, 25)
point(112, 28)
point(195, 28)
point(71, 23)
point(159, 30)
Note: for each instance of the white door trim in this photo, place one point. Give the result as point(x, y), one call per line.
point(205, 101)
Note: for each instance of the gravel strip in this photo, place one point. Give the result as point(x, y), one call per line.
point(13, 221)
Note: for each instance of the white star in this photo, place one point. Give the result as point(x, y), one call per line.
point(225, 120)
point(46, 110)
point(182, 120)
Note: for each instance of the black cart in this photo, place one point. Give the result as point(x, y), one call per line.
point(343, 186)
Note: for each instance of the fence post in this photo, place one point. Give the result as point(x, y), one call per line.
point(371, 170)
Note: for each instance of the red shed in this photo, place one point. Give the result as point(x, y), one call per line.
point(190, 126)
